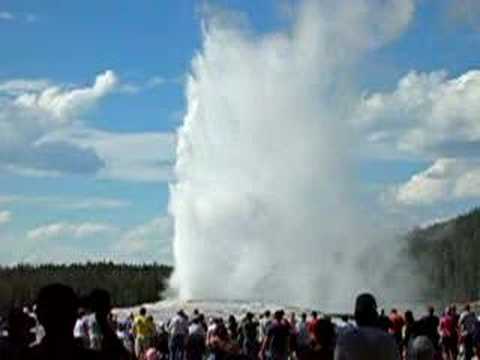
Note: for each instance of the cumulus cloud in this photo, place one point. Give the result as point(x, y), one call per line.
point(65, 229)
point(42, 134)
point(31, 109)
point(65, 104)
point(447, 179)
point(427, 114)
point(20, 86)
point(5, 217)
point(434, 117)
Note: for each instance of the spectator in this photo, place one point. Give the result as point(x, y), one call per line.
point(178, 331)
point(468, 325)
point(57, 307)
point(367, 341)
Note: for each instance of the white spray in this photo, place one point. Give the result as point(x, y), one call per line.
point(264, 200)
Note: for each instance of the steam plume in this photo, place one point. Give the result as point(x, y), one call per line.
point(264, 200)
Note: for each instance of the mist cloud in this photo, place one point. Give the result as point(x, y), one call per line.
point(264, 203)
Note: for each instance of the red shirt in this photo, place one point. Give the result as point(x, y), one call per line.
point(397, 323)
point(447, 326)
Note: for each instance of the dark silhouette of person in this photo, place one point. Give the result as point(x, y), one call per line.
point(57, 307)
point(367, 341)
point(323, 345)
point(111, 346)
point(19, 327)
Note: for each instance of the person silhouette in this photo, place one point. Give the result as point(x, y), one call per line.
point(111, 347)
point(19, 335)
point(57, 306)
point(367, 341)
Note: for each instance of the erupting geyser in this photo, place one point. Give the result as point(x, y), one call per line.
point(263, 203)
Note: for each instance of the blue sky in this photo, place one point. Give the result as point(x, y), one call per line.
point(103, 83)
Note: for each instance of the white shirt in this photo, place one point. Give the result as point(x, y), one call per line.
point(81, 328)
point(468, 320)
point(196, 329)
point(178, 326)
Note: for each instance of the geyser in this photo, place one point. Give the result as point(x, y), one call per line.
point(264, 199)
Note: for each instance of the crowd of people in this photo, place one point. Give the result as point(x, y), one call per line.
point(63, 327)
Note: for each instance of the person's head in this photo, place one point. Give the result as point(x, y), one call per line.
point(467, 308)
point(181, 313)
point(100, 302)
point(231, 319)
point(249, 316)
point(409, 317)
point(324, 332)
point(394, 311)
point(366, 310)
point(143, 311)
point(150, 318)
point(57, 306)
point(431, 310)
point(221, 331)
point(304, 316)
point(422, 348)
point(278, 315)
point(267, 314)
point(344, 318)
point(314, 315)
point(152, 354)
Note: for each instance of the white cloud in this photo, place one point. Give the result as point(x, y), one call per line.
point(7, 16)
point(434, 117)
point(148, 84)
point(65, 104)
point(5, 217)
point(67, 242)
point(65, 202)
point(130, 157)
point(447, 179)
point(65, 229)
point(151, 241)
point(42, 134)
point(20, 86)
point(427, 114)
point(31, 109)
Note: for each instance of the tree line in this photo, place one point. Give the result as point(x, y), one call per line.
point(446, 258)
point(128, 284)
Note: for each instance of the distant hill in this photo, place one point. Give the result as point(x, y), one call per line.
point(446, 257)
point(128, 284)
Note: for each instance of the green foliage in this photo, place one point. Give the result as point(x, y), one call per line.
point(446, 256)
point(127, 284)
